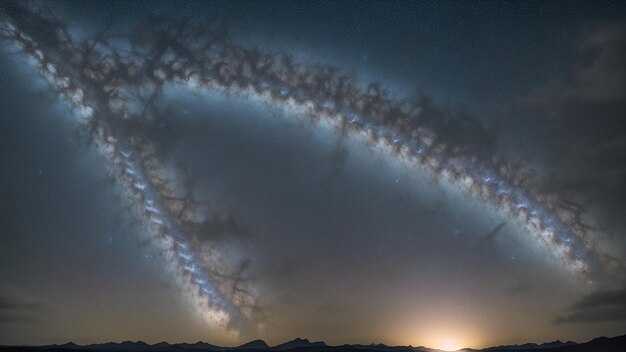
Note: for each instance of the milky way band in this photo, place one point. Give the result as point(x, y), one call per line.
point(114, 84)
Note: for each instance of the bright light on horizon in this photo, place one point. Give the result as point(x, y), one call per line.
point(448, 345)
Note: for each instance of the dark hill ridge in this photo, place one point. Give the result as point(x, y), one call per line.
point(254, 345)
point(600, 344)
point(298, 343)
point(200, 346)
point(530, 346)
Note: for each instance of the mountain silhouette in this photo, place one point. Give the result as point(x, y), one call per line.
point(531, 346)
point(254, 345)
point(298, 343)
point(600, 344)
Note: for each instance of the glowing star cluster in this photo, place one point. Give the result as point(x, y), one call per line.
point(115, 91)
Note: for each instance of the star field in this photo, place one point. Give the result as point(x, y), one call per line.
point(405, 173)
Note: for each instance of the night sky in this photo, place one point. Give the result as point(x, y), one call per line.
point(473, 196)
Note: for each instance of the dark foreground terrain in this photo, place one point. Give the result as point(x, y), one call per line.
point(600, 344)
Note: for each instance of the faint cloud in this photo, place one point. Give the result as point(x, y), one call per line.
point(607, 305)
point(17, 307)
point(598, 75)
